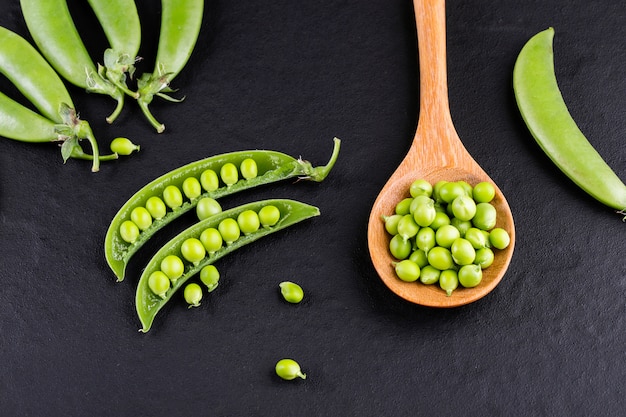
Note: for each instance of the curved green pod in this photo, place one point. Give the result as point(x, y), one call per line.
point(21, 123)
point(545, 113)
point(272, 167)
point(148, 304)
point(180, 26)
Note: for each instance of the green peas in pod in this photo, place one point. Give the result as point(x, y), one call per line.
point(248, 222)
point(249, 168)
point(193, 294)
point(156, 207)
point(129, 231)
point(141, 217)
point(229, 174)
point(212, 240)
point(173, 267)
point(209, 180)
point(192, 188)
point(193, 250)
point(159, 283)
point(172, 197)
point(229, 229)
point(269, 215)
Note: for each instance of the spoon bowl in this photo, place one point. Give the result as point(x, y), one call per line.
point(436, 154)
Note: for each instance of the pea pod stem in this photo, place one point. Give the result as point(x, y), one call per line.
point(273, 166)
point(545, 113)
point(149, 304)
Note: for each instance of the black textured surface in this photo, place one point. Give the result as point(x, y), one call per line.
point(289, 76)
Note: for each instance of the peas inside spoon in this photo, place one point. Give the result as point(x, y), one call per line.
point(436, 154)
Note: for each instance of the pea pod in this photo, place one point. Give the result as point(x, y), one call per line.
point(549, 121)
point(180, 26)
point(39, 83)
point(272, 166)
point(52, 28)
point(148, 303)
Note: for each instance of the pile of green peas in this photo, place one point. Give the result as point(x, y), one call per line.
point(173, 197)
point(445, 233)
point(193, 250)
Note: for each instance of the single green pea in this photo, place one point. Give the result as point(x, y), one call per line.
point(192, 188)
point(172, 197)
point(173, 267)
point(407, 228)
point(156, 207)
point(425, 213)
point(462, 251)
point(448, 281)
point(193, 250)
point(141, 217)
point(212, 240)
point(123, 146)
point(477, 238)
point(291, 292)
point(450, 191)
point(207, 207)
point(391, 223)
point(399, 247)
point(288, 369)
point(461, 225)
point(470, 275)
point(193, 294)
point(437, 190)
point(269, 215)
point(229, 229)
point(484, 258)
point(440, 258)
point(421, 187)
point(210, 276)
point(129, 231)
point(418, 200)
point(485, 217)
point(159, 283)
point(407, 270)
point(466, 187)
point(229, 173)
point(484, 192)
point(441, 219)
point(209, 180)
point(429, 275)
point(248, 221)
point(499, 238)
point(419, 257)
point(425, 239)
point(404, 206)
point(463, 207)
point(249, 168)
point(445, 235)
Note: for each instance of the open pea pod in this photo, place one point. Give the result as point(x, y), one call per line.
point(148, 303)
point(271, 166)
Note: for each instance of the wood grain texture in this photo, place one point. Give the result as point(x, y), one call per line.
point(436, 153)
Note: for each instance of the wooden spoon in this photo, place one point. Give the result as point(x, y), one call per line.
point(435, 154)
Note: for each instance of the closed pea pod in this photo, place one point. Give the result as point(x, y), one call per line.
point(272, 167)
point(148, 303)
point(180, 26)
point(38, 82)
point(546, 115)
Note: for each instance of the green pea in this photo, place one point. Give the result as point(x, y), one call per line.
point(212, 240)
point(141, 217)
point(445, 235)
point(407, 228)
point(477, 238)
point(407, 270)
point(461, 225)
point(209, 180)
point(172, 197)
point(421, 187)
point(156, 207)
point(440, 258)
point(499, 238)
point(483, 192)
point(485, 217)
point(229, 173)
point(210, 276)
point(391, 223)
point(129, 231)
point(400, 248)
point(173, 267)
point(269, 215)
point(193, 250)
point(123, 146)
point(248, 222)
point(425, 239)
point(291, 292)
point(448, 281)
point(207, 207)
point(437, 190)
point(429, 275)
point(462, 251)
point(229, 229)
point(484, 257)
point(463, 208)
point(450, 191)
point(425, 213)
point(192, 188)
point(193, 294)
point(404, 206)
point(159, 283)
point(420, 199)
point(470, 275)
point(419, 257)
point(288, 369)
point(467, 188)
point(441, 219)
point(249, 168)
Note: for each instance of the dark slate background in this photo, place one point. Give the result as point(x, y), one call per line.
point(290, 76)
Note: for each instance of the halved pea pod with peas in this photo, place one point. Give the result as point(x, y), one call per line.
point(56, 119)
point(178, 191)
point(176, 263)
point(53, 30)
